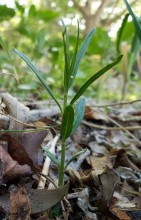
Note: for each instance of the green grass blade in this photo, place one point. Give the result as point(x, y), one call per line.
point(67, 122)
point(93, 78)
point(4, 46)
point(34, 69)
point(121, 32)
point(79, 114)
point(81, 53)
point(67, 57)
point(135, 21)
point(133, 53)
point(135, 44)
point(75, 157)
point(73, 60)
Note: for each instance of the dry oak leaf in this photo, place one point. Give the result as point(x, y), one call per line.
point(19, 205)
point(32, 144)
point(43, 199)
point(108, 182)
point(18, 152)
point(10, 169)
point(99, 163)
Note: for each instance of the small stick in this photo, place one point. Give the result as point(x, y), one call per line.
point(45, 169)
point(124, 129)
point(28, 125)
point(117, 103)
point(49, 179)
point(130, 128)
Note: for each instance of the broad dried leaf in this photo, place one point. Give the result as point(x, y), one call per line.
point(91, 114)
point(109, 180)
point(19, 205)
point(123, 160)
point(26, 147)
point(10, 169)
point(32, 144)
point(120, 214)
point(43, 199)
point(18, 152)
point(99, 163)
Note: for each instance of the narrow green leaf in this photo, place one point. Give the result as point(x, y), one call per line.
point(120, 32)
point(93, 78)
point(34, 69)
point(135, 21)
point(75, 156)
point(67, 122)
point(67, 57)
point(79, 114)
point(81, 53)
point(73, 60)
point(4, 46)
point(133, 53)
point(135, 44)
point(52, 157)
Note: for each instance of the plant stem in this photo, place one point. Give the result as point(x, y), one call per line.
point(65, 100)
point(62, 165)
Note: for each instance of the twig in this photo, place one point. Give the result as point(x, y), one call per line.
point(63, 209)
point(114, 104)
point(28, 125)
point(45, 169)
point(68, 208)
point(48, 178)
point(123, 128)
point(130, 128)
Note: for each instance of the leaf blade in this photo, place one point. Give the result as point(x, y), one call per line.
point(135, 21)
point(52, 157)
point(4, 46)
point(79, 114)
point(73, 60)
point(67, 122)
point(67, 57)
point(82, 52)
point(121, 32)
point(34, 69)
point(93, 78)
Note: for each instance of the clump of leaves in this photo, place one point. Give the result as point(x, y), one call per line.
point(72, 111)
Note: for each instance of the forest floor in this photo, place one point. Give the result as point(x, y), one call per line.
point(102, 183)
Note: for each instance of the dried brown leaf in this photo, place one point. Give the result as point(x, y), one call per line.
point(32, 144)
point(120, 214)
point(18, 152)
point(43, 199)
point(10, 169)
point(99, 163)
point(19, 205)
point(123, 160)
point(108, 181)
point(91, 114)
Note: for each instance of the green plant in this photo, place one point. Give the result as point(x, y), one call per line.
point(72, 112)
point(123, 37)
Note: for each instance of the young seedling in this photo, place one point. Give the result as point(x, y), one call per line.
point(72, 112)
